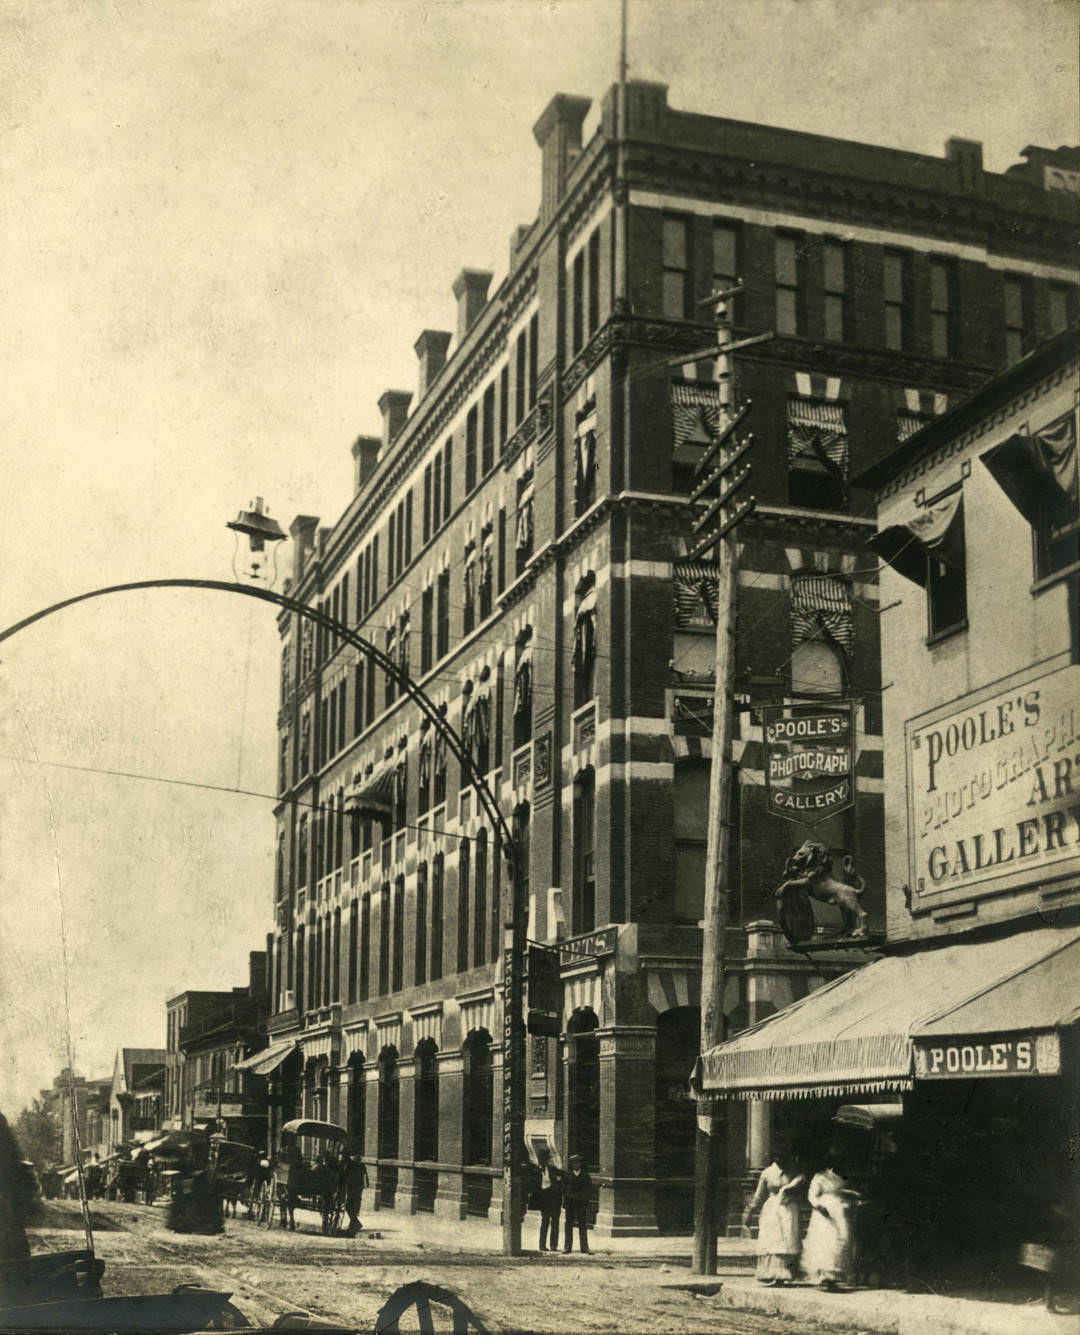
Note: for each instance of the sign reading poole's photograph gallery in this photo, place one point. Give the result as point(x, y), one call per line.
point(809, 760)
point(994, 788)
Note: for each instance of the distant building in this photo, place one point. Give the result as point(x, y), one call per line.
point(83, 1105)
point(519, 541)
point(135, 1072)
point(208, 1033)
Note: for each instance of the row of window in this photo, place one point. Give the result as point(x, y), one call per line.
point(795, 253)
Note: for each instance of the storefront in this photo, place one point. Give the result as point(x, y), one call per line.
point(978, 1039)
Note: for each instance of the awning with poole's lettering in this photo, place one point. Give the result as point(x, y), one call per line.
point(937, 530)
point(993, 1008)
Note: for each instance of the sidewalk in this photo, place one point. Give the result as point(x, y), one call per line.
point(890, 1311)
point(882, 1311)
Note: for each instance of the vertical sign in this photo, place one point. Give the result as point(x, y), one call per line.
point(809, 760)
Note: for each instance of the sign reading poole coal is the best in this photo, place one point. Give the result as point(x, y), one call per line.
point(809, 760)
point(994, 788)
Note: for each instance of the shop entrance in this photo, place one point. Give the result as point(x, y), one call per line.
point(678, 1041)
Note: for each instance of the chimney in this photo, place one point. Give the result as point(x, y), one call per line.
point(470, 289)
point(394, 406)
point(558, 132)
point(302, 531)
point(430, 349)
point(365, 453)
point(967, 155)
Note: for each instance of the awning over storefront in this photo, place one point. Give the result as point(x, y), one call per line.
point(859, 1033)
point(269, 1059)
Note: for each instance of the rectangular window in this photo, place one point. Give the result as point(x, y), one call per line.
point(501, 553)
point(436, 491)
point(384, 939)
point(437, 868)
point(520, 361)
point(487, 432)
point(448, 454)
point(946, 581)
point(725, 263)
point(941, 284)
point(359, 587)
point(1015, 289)
point(397, 979)
point(427, 503)
point(834, 267)
point(375, 568)
point(391, 548)
point(470, 450)
point(463, 908)
point(420, 948)
point(504, 406)
point(788, 285)
point(1058, 307)
point(675, 294)
point(577, 303)
point(427, 629)
point(408, 527)
point(365, 948)
point(896, 299)
point(593, 312)
point(480, 901)
point(534, 357)
point(442, 616)
point(369, 695)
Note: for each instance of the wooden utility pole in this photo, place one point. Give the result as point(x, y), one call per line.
point(721, 473)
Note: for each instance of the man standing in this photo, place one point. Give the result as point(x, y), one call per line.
point(356, 1179)
point(549, 1202)
point(576, 1193)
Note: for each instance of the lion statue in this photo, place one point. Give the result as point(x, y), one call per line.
point(809, 870)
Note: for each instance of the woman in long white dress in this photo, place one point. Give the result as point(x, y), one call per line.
point(778, 1227)
point(828, 1255)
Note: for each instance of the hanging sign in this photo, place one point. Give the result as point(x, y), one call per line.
point(809, 760)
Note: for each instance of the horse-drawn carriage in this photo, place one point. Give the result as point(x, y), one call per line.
point(235, 1173)
point(308, 1170)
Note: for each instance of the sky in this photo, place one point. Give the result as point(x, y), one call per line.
point(222, 227)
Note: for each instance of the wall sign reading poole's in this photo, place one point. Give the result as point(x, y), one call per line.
point(994, 787)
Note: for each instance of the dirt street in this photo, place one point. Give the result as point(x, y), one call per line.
point(270, 1272)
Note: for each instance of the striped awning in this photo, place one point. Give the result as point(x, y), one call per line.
point(269, 1059)
point(821, 602)
point(372, 797)
point(856, 1035)
point(697, 592)
point(817, 432)
point(695, 412)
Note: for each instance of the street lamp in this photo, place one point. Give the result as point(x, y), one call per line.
point(514, 925)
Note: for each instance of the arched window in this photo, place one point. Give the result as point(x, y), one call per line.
point(583, 1087)
point(816, 669)
point(426, 1125)
point(478, 1097)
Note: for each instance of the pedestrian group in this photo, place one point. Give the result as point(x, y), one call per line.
point(553, 1192)
point(826, 1255)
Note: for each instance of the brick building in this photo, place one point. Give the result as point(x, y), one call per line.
point(518, 540)
point(207, 1035)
